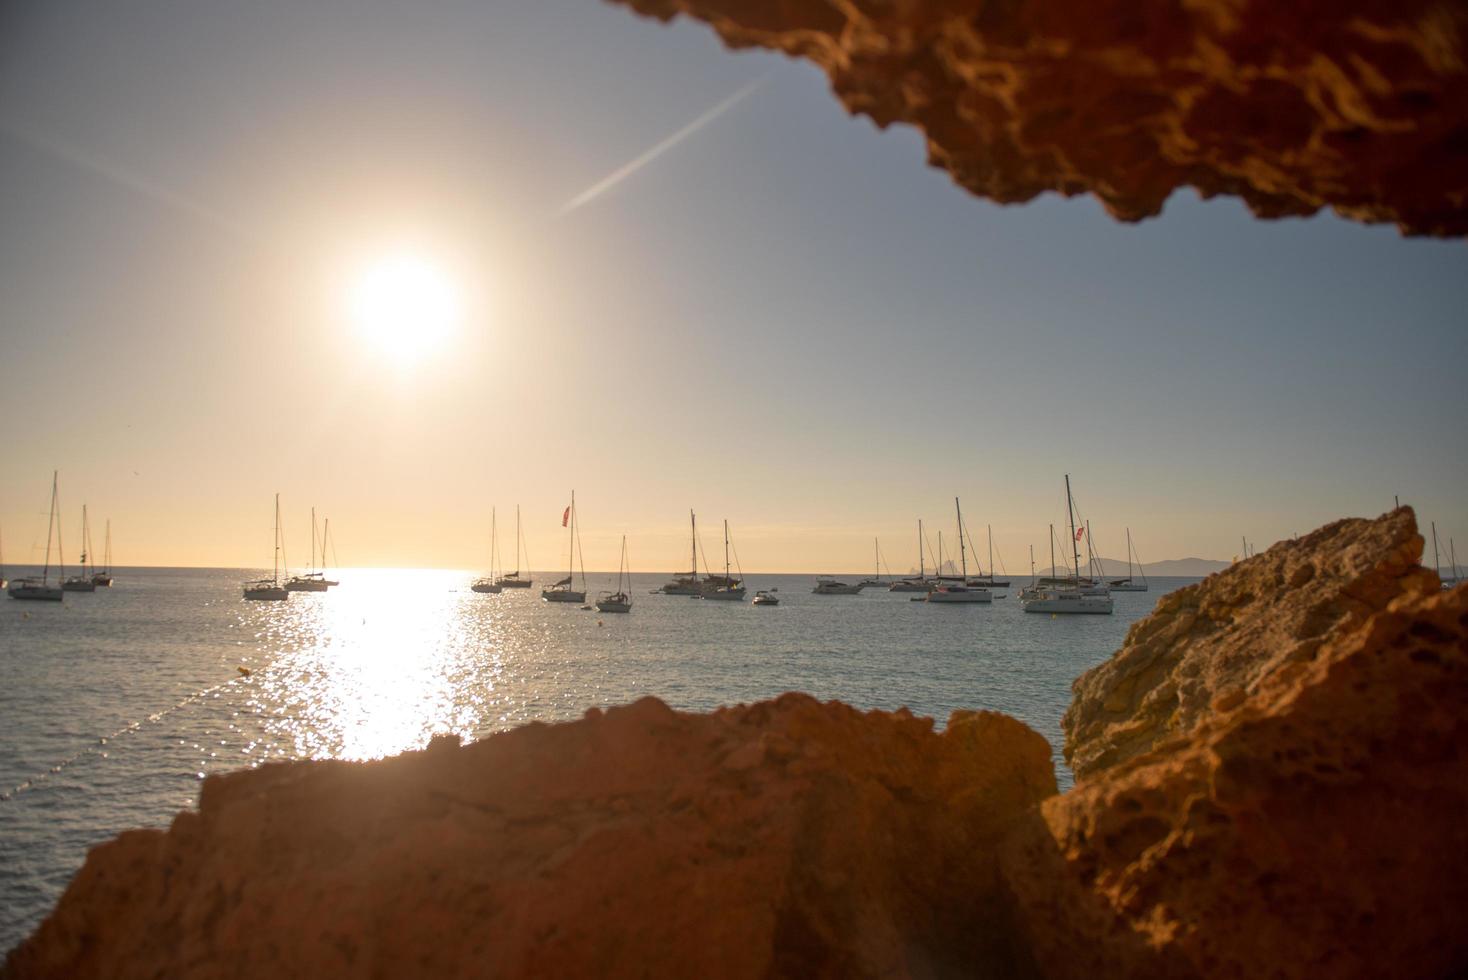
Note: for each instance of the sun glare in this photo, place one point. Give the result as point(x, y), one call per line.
point(403, 305)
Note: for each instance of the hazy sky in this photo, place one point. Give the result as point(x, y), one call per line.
point(783, 318)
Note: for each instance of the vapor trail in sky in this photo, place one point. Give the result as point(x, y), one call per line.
point(637, 163)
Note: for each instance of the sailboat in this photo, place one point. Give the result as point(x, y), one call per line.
point(687, 584)
point(1072, 597)
point(312, 581)
point(513, 580)
point(562, 591)
point(949, 590)
point(1129, 584)
point(270, 588)
point(726, 587)
point(41, 588)
point(104, 577)
point(2, 564)
point(325, 541)
point(921, 583)
point(1453, 561)
point(82, 582)
point(875, 582)
point(989, 581)
point(490, 585)
point(621, 600)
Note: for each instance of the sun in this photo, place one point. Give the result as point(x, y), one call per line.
point(403, 305)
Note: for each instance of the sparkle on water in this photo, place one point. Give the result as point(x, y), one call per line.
point(118, 703)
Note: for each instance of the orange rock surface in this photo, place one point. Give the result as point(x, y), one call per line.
point(786, 838)
point(1318, 830)
point(1207, 647)
point(1356, 105)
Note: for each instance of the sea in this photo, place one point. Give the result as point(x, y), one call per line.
point(116, 704)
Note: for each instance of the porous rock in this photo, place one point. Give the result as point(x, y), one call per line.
point(1319, 830)
point(789, 837)
point(1206, 648)
point(1356, 105)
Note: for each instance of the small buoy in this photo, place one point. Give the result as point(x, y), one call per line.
point(244, 671)
point(600, 623)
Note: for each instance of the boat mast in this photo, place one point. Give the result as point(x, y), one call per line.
point(107, 549)
point(1128, 553)
point(312, 568)
point(1071, 510)
point(571, 540)
point(275, 576)
point(1436, 564)
point(922, 572)
point(325, 534)
point(962, 552)
point(991, 552)
point(876, 560)
point(693, 548)
point(493, 544)
point(1052, 551)
point(1032, 565)
point(727, 583)
point(1092, 565)
point(51, 519)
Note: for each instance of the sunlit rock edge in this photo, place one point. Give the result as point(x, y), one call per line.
point(1300, 813)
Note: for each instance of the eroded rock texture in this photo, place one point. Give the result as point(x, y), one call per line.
point(1319, 830)
point(790, 837)
point(1208, 647)
point(1357, 105)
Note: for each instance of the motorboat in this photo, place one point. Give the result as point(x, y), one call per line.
point(829, 586)
point(766, 598)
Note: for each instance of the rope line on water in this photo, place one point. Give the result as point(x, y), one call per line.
point(96, 749)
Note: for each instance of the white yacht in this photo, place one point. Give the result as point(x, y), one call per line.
point(766, 597)
point(621, 600)
point(562, 591)
point(270, 589)
point(687, 584)
point(1071, 598)
point(950, 590)
point(825, 585)
point(40, 588)
point(725, 588)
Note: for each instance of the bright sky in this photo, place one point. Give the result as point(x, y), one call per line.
point(408, 261)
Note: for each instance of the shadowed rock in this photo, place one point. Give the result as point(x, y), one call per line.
point(1356, 105)
point(789, 837)
point(1319, 830)
point(1206, 648)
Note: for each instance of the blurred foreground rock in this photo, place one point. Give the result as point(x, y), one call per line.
point(1292, 801)
point(790, 838)
point(1356, 105)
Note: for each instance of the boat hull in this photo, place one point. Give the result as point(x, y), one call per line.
point(960, 595)
point(103, 581)
point(311, 585)
point(1069, 605)
point(515, 583)
point(78, 585)
point(486, 588)
point(905, 586)
point(726, 595)
point(610, 606)
point(562, 595)
point(37, 593)
point(1127, 587)
point(273, 594)
point(671, 589)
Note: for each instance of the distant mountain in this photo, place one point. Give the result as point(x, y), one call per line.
point(1172, 567)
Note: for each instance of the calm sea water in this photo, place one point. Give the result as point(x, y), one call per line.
point(116, 704)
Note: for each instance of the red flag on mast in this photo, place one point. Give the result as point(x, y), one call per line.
point(566, 517)
point(1080, 531)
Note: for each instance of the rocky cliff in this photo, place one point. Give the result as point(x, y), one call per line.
point(1293, 803)
point(1356, 105)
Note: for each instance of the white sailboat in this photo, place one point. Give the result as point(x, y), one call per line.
point(1130, 584)
point(3, 583)
point(562, 591)
point(726, 588)
point(875, 582)
point(325, 543)
point(621, 600)
point(104, 577)
point(32, 587)
point(313, 580)
point(961, 590)
point(1071, 598)
point(489, 584)
point(270, 589)
point(513, 580)
point(82, 582)
point(921, 583)
point(989, 581)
